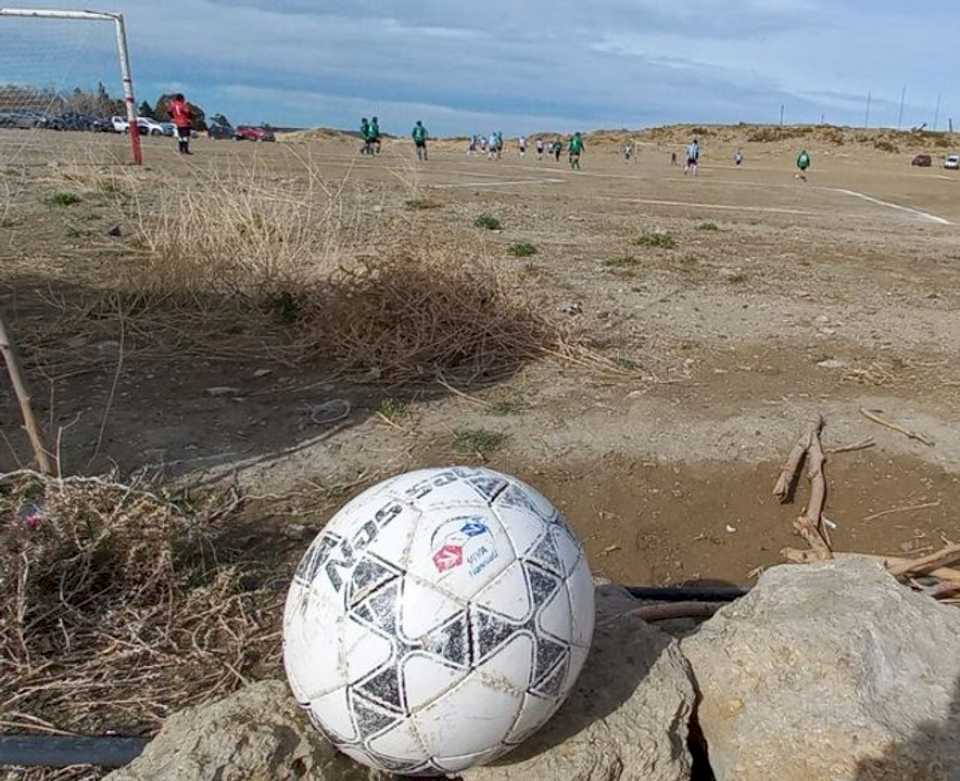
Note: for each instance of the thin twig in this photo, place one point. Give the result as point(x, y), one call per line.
point(113, 393)
point(870, 415)
point(863, 445)
point(908, 508)
point(34, 432)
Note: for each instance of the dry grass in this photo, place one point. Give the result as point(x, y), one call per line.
point(240, 233)
point(244, 266)
point(119, 607)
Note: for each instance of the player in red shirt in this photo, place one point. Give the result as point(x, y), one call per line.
point(182, 117)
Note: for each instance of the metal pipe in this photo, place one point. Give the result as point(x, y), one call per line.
point(57, 751)
point(688, 593)
point(133, 126)
point(50, 14)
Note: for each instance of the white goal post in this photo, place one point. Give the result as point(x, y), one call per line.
point(124, 54)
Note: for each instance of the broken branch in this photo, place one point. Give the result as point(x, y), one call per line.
point(30, 424)
point(791, 467)
point(941, 558)
point(869, 415)
point(863, 445)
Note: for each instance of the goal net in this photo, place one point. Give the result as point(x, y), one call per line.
point(65, 91)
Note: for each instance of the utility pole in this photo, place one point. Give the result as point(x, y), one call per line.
point(936, 114)
point(903, 95)
point(781, 115)
point(866, 122)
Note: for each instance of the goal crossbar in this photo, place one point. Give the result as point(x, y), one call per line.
point(123, 51)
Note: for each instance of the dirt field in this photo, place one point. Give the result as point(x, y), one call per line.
point(775, 300)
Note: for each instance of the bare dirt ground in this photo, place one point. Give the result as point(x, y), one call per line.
point(777, 298)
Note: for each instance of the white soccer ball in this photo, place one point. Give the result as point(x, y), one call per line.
point(439, 619)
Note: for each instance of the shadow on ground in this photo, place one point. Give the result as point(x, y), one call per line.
point(120, 386)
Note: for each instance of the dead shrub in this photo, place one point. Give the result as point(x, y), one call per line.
point(428, 311)
point(117, 606)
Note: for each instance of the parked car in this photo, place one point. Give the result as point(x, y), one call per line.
point(147, 127)
point(250, 133)
point(924, 161)
point(952, 162)
point(221, 130)
point(22, 120)
point(70, 120)
point(119, 124)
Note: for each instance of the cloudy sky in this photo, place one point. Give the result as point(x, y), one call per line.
point(522, 66)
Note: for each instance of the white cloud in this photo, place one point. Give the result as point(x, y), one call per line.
point(523, 66)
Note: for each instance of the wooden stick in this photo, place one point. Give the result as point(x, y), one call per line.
point(792, 464)
point(863, 445)
point(818, 484)
point(941, 558)
point(895, 427)
point(906, 509)
point(809, 557)
point(818, 546)
point(23, 396)
point(948, 589)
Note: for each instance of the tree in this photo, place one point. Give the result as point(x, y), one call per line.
point(146, 110)
point(220, 119)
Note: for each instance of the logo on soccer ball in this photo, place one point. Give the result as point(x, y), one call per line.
point(448, 557)
point(463, 541)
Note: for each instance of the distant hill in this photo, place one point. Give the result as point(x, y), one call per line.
point(772, 136)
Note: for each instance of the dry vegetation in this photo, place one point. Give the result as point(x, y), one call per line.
point(244, 265)
point(121, 603)
point(119, 606)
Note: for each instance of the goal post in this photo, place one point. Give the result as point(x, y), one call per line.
point(122, 52)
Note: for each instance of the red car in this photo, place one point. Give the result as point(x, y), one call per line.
point(250, 133)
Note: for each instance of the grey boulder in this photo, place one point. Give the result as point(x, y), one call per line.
point(832, 671)
point(256, 734)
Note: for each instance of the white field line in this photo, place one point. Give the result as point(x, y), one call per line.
point(725, 207)
point(916, 212)
point(495, 184)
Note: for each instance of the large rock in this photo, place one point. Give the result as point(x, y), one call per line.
point(257, 734)
point(626, 719)
point(833, 672)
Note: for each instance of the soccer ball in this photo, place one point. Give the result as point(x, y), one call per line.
point(439, 619)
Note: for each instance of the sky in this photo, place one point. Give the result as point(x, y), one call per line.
point(519, 67)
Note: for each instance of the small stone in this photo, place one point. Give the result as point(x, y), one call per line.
point(115, 231)
point(832, 363)
point(262, 373)
point(222, 390)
